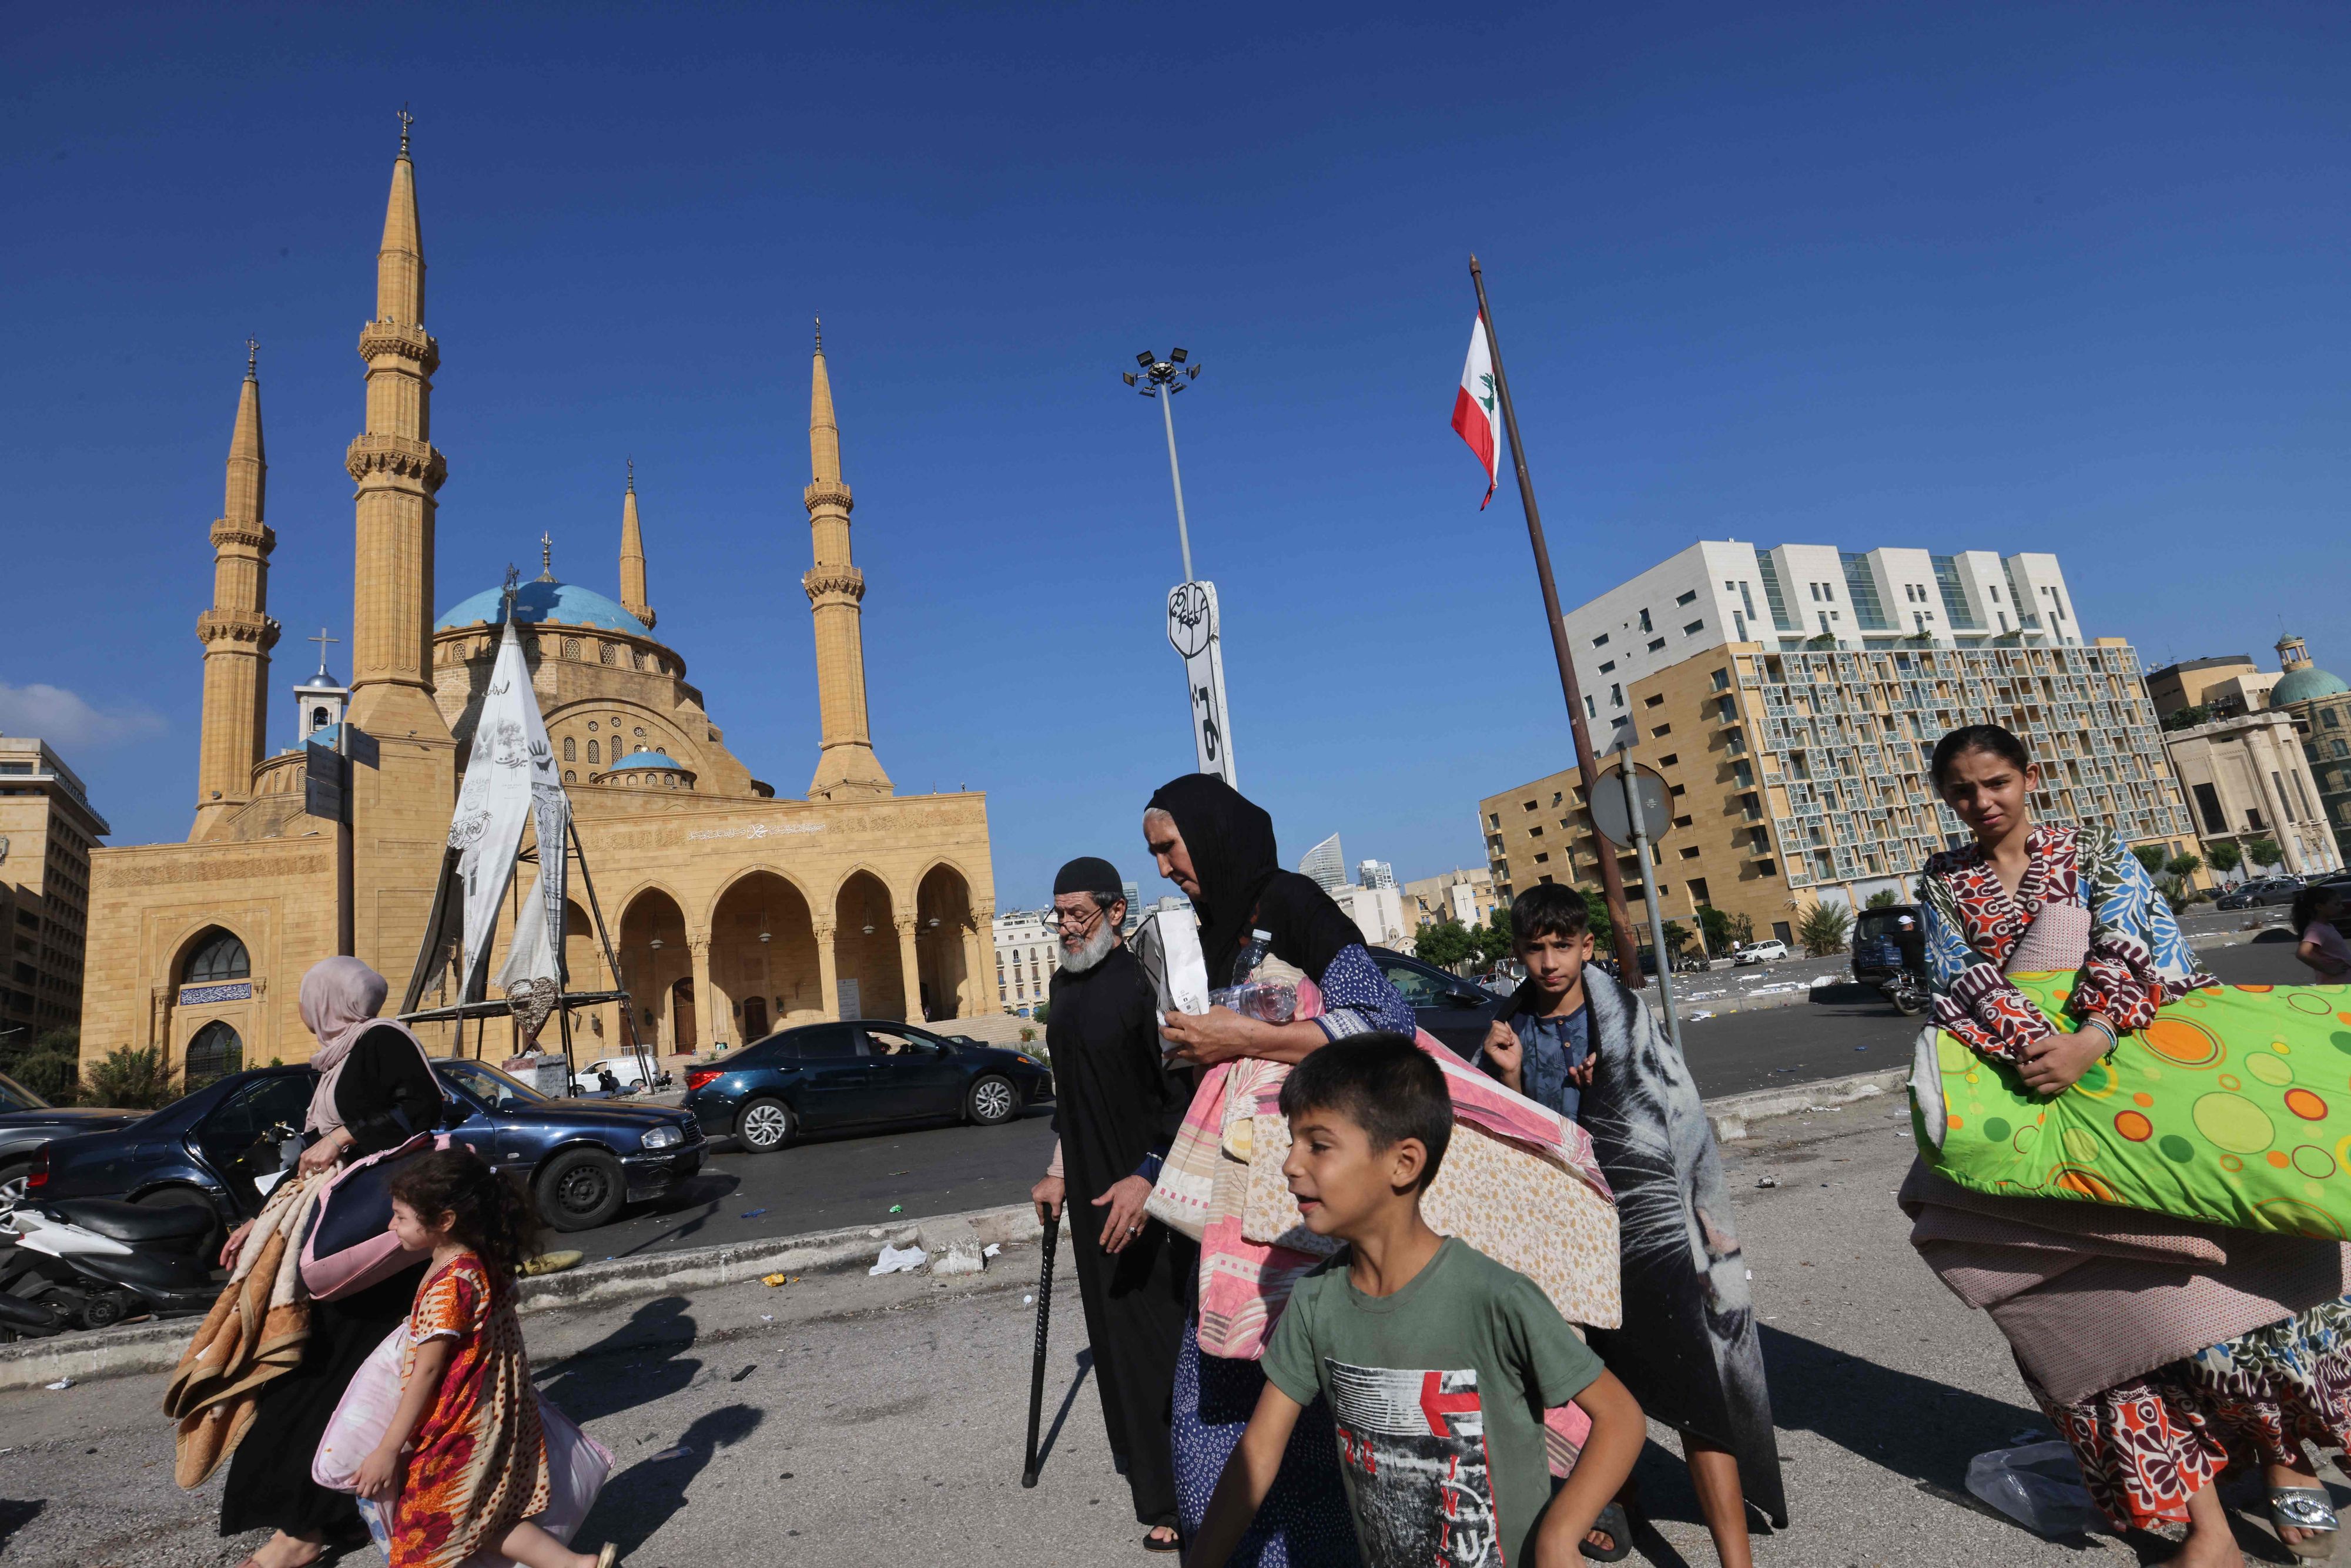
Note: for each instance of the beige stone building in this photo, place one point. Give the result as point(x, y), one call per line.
point(48, 832)
point(732, 910)
point(2319, 704)
point(1467, 896)
point(2246, 779)
point(1797, 768)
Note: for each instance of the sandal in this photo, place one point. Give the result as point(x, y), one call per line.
point(1152, 1543)
point(2310, 1511)
point(1613, 1524)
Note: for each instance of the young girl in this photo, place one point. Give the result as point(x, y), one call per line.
point(2317, 911)
point(463, 1464)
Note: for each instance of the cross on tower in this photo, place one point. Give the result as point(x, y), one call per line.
point(322, 639)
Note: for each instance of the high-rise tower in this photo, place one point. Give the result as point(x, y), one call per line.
point(236, 631)
point(846, 768)
point(632, 557)
point(405, 777)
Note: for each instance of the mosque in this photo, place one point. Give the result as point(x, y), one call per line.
point(732, 911)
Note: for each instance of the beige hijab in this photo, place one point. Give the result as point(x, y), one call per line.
point(338, 1003)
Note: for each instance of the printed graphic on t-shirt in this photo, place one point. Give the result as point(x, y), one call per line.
point(1415, 1442)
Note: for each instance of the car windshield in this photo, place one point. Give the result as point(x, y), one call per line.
point(14, 1096)
point(489, 1085)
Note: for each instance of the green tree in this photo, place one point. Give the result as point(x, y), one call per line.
point(1604, 930)
point(1715, 926)
point(1824, 929)
point(2265, 852)
point(1445, 943)
point(48, 1063)
point(1677, 936)
point(2184, 866)
point(136, 1080)
point(2187, 717)
point(2225, 856)
point(1494, 939)
point(1884, 898)
point(1040, 1014)
point(2151, 856)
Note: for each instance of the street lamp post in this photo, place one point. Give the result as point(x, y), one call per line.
point(1192, 628)
point(1171, 374)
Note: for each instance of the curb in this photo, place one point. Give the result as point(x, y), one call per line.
point(1730, 1114)
point(156, 1346)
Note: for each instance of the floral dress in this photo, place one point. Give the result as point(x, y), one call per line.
point(477, 1462)
point(2147, 1444)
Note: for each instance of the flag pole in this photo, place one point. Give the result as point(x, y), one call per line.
point(1612, 883)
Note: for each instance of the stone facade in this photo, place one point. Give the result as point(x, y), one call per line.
point(2246, 779)
point(729, 912)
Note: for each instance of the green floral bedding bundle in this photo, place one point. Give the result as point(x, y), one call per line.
point(2233, 1106)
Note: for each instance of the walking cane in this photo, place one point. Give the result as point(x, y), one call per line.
point(1037, 1369)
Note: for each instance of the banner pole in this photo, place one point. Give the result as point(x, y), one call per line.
point(1611, 881)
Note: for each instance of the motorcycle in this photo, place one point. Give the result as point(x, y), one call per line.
point(93, 1262)
point(1910, 995)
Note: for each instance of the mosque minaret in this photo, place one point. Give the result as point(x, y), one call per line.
point(846, 768)
point(236, 631)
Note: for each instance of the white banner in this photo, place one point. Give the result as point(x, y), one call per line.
point(510, 778)
point(1193, 632)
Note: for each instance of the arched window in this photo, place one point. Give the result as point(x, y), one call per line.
point(569, 778)
point(570, 749)
point(218, 956)
point(571, 647)
point(637, 658)
point(606, 654)
point(213, 1054)
point(318, 719)
point(592, 754)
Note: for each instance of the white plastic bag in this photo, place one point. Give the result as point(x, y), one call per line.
point(577, 1466)
point(362, 1417)
point(2039, 1486)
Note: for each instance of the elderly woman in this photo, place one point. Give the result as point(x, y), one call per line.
point(376, 1091)
point(2157, 1364)
point(1218, 847)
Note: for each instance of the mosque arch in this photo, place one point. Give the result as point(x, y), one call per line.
point(214, 1053)
point(944, 963)
point(655, 953)
point(214, 956)
point(765, 972)
point(866, 950)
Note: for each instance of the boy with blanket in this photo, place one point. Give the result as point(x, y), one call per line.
point(1437, 1361)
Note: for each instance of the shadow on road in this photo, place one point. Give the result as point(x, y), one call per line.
point(710, 1191)
point(1085, 1360)
point(635, 1365)
point(15, 1513)
point(639, 1500)
point(1912, 1425)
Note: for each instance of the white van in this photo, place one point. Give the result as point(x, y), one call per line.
point(626, 1069)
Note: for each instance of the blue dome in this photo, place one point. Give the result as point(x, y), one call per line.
point(563, 603)
point(2301, 686)
point(647, 760)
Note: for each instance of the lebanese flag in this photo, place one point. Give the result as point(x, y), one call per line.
point(1477, 409)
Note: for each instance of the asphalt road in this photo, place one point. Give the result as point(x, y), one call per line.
point(852, 1421)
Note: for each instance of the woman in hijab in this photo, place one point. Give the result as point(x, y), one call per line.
point(376, 1091)
point(1218, 847)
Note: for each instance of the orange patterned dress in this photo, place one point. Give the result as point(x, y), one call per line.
point(477, 1464)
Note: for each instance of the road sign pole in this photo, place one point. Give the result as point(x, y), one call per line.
point(1649, 897)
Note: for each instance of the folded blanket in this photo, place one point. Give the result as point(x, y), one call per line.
point(2229, 1108)
point(255, 1332)
point(2091, 1296)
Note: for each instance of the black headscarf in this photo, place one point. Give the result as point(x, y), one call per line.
point(1242, 884)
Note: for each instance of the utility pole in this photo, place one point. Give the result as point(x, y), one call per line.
point(1192, 623)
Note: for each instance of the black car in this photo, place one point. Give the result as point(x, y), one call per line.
point(823, 1076)
point(28, 1121)
point(1877, 941)
point(1455, 1010)
point(208, 1149)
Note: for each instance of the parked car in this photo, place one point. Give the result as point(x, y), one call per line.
point(822, 1077)
point(1455, 1010)
point(583, 1159)
point(2261, 891)
point(28, 1121)
point(1764, 952)
point(627, 1071)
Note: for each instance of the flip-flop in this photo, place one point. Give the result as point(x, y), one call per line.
point(1174, 1542)
point(1616, 1527)
point(2310, 1511)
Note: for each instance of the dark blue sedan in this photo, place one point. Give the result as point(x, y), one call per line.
point(583, 1159)
point(866, 1072)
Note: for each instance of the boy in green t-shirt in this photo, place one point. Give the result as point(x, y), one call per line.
point(1437, 1361)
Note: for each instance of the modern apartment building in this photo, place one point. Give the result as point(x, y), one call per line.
point(1028, 951)
point(1326, 864)
point(1791, 699)
point(47, 831)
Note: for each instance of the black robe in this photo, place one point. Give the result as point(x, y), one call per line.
point(385, 1097)
point(1116, 1101)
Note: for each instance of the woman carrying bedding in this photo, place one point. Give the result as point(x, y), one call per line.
point(2028, 897)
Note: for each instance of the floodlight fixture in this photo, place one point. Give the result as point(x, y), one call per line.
point(1143, 358)
point(1128, 376)
point(1176, 355)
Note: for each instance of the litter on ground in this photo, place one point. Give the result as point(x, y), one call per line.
point(679, 1451)
point(1769, 1181)
point(753, 1213)
point(991, 1250)
point(898, 1260)
point(62, 1382)
point(897, 1209)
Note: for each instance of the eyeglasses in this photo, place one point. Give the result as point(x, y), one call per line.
point(1073, 919)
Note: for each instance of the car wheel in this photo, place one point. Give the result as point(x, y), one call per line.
point(12, 1190)
point(581, 1188)
point(208, 1246)
point(992, 1100)
point(763, 1126)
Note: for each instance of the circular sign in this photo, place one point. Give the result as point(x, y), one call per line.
point(1191, 619)
point(1615, 820)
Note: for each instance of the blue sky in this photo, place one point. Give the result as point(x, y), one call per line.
point(2047, 278)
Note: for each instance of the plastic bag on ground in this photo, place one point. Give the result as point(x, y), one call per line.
point(2039, 1486)
point(898, 1260)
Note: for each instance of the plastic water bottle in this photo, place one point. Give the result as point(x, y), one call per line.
point(1260, 944)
